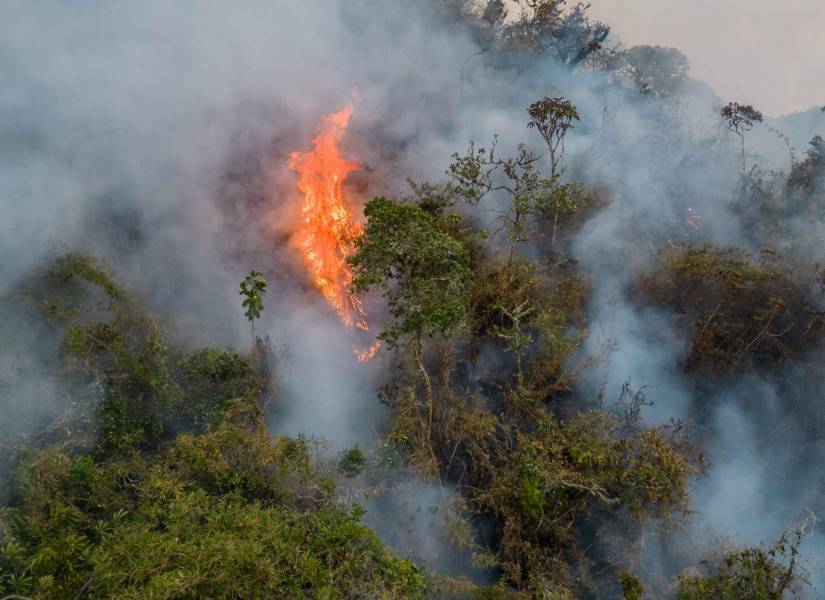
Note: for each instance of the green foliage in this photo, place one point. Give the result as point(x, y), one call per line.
point(807, 175)
point(223, 548)
point(422, 271)
point(123, 371)
point(529, 311)
point(86, 268)
point(352, 461)
point(228, 514)
point(181, 493)
point(500, 448)
point(739, 313)
point(553, 118)
point(481, 173)
point(562, 469)
point(70, 286)
point(540, 479)
point(631, 586)
point(152, 389)
point(570, 471)
point(759, 573)
point(253, 288)
point(740, 117)
point(532, 200)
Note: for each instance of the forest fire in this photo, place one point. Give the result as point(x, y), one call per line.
point(325, 231)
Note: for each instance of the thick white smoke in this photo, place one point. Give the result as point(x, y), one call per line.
point(156, 136)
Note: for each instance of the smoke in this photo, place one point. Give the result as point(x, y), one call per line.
point(156, 136)
point(736, 46)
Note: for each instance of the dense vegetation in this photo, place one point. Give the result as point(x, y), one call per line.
point(177, 491)
point(740, 314)
point(159, 478)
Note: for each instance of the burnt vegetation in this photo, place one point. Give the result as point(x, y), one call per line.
point(159, 478)
point(737, 313)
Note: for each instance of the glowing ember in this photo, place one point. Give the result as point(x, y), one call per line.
point(694, 219)
point(326, 230)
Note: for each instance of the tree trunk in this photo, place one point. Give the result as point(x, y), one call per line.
point(555, 228)
point(744, 164)
point(428, 388)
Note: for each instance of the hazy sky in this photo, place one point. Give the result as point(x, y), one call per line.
point(770, 53)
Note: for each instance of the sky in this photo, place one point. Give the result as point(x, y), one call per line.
point(769, 53)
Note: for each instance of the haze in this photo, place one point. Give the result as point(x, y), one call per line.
point(762, 52)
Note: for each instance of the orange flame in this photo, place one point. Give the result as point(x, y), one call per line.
point(326, 230)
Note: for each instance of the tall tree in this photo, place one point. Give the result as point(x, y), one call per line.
point(553, 118)
point(423, 273)
point(739, 119)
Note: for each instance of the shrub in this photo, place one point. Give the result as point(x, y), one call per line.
point(184, 494)
point(352, 461)
point(151, 387)
point(738, 313)
point(759, 573)
point(230, 513)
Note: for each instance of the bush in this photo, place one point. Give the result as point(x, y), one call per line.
point(151, 388)
point(183, 493)
point(230, 513)
point(352, 461)
point(534, 314)
point(538, 482)
point(759, 573)
point(550, 479)
point(738, 314)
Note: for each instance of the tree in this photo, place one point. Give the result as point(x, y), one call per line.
point(740, 118)
point(253, 288)
point(423, 273)
point(481, 172)
point(494, 12)
point(578, 37)
point(807, 174)
point(548, 26)
point(654, 69)
point(552, 118)
point(771, 573)
point(816, 153)
point(520, 192)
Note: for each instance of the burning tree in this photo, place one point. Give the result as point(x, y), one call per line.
point(325, 230)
